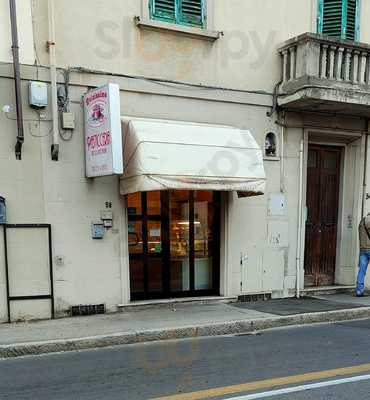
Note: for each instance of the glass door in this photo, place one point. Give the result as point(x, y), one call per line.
point(145, 245)
point(206, 241)
point(179, 242)
point(174, 243)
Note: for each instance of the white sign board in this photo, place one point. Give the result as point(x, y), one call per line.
point(103, 137)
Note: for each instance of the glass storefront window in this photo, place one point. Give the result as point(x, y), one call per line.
point(154, 203)
point(154, 237)
point(203, 240)
point(135, 237)
point(134, 204)
point(179, 241)
point(173, 243)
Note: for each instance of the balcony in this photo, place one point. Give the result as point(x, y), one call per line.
point(325, 74)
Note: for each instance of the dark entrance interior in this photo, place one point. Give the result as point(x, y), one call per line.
point(174, 243)
point(323, 179)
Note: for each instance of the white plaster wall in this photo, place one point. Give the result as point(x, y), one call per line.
point(20, 182)
point(38, 190)
point(365, 29)
point(96, 36)
point(88, 271)
point(25, 32)
point(350, 215)
point(366, 202)
point(102, 35)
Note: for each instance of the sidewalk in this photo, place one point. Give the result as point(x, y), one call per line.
point(173, 321)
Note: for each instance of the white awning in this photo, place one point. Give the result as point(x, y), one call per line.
point(163, 155)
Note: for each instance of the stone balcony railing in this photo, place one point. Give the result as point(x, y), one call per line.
point(325, 73)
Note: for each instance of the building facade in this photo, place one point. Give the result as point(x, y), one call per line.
point(291, 73)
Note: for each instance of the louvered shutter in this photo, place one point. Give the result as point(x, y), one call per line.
point(339, 18)
point(351, 20)
point(332, 18)
point(191, 12)
point(164, 9)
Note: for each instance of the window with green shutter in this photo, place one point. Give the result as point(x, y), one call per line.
point(182, 12)
point(339, 18)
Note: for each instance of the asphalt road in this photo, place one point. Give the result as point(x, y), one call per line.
point(228, 366)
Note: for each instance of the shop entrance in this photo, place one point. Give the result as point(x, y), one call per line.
point(174, 243)
point(323, 179)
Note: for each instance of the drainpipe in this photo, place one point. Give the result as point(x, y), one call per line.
point(17, 80)
point(299, 231)
point(364, 184)
point(53, 80)
point(282, 170)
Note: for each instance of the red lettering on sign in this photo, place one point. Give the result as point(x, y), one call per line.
point(95, 96)
point(98, 140)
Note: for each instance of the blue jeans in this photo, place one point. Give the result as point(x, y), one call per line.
point(362, 265)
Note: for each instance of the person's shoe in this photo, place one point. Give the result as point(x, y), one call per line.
point(362, 295)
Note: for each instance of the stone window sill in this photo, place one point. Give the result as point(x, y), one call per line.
point(198, 33)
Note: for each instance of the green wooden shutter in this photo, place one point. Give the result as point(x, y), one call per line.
point(320, 15)
point(339, 18)
point(351, 20)
point(332, 18)
point(163, 10)
point(191, 12)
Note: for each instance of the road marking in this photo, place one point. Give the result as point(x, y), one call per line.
point(302, 388)
point(268, 383)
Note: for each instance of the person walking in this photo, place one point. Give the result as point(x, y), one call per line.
point(364, 236)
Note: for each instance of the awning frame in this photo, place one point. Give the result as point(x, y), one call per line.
point(170, 155)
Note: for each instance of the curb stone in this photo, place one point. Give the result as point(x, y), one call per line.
point(211, 329)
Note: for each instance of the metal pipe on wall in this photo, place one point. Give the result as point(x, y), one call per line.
point(299, 231)
point(364, 184)
point(226, 206)
point(53, 80)
point(17, 80)
point(282, 166)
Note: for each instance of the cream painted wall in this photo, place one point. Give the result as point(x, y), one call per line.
point(88, 271)
point(85, 270)
point(21, 183)
point(350, 211)
point(38, 190)
point(25, 32)
point(102, 35)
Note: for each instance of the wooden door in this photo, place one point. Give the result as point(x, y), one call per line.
point(323, 178)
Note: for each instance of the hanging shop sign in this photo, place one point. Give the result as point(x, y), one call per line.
point(103, 137)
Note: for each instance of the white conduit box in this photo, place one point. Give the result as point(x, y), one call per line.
point(37, 94)
point(2, 211)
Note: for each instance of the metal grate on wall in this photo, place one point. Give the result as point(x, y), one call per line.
point(90, 309)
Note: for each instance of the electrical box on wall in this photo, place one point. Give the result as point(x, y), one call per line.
point(276, 205)
point(2, 211)
point(97, 230)
point(107, 217)
point(68, 121)
point(38, 94)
